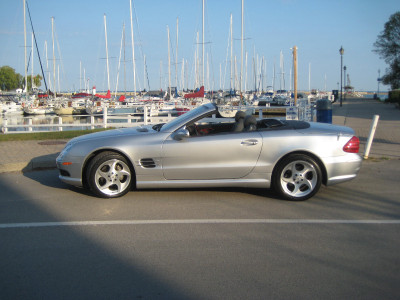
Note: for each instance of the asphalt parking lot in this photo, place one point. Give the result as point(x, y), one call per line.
point(60, 242)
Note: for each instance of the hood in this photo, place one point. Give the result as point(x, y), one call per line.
point(139, 130)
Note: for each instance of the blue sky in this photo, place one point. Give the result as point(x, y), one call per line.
point(317, 27)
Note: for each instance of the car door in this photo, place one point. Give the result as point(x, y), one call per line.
point(220, 156)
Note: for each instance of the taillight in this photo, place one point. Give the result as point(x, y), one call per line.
point(352, 146)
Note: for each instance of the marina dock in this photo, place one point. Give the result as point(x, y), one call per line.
point(356, 113)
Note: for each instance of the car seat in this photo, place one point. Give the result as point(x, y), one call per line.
point(239, 121)
point(250, 123)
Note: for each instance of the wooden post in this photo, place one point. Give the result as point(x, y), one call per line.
point(295, 73)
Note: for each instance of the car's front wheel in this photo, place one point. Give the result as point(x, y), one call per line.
point(109, 175)
point(297, 177)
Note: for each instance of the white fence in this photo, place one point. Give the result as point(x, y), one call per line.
point(108, 120)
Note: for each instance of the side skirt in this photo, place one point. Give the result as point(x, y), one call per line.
point(250, 183)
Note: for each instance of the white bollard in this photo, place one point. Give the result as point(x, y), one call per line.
point(92, 122)
point(60, 123)
point(5, 124)
point(105, 117)
point(371, 136)
point(145, 115)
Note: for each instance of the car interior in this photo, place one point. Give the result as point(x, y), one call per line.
point(242, 123)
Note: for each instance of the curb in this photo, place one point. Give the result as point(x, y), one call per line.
point(37, 163)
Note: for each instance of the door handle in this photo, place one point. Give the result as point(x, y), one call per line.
point(249, 142)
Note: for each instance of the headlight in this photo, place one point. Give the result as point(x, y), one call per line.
point(64, 151)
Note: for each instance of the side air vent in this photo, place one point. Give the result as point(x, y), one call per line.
point(147, 163)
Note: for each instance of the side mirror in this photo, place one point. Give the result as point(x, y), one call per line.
point(181, 134)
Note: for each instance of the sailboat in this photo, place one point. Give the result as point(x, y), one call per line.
point(32, 105)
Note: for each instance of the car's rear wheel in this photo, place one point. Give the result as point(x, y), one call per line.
point(109, 175)
point(298, 177)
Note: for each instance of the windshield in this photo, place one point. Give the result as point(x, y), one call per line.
point(185, 118)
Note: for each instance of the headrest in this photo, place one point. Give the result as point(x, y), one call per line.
point(240, 115)
point(250, 120)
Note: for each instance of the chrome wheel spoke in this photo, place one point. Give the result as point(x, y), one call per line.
point(112, 177)
point(106, 186)
point(298, 178)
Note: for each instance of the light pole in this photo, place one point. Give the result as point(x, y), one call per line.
point(341, 51)
point(379, 81)
point(344, 81)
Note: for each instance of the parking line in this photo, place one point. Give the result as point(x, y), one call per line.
point(196, 221)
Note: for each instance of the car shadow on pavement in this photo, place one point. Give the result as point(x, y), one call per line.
point(39, 175)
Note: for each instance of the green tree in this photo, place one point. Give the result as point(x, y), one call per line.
point(36, 81)
point(387, 46)
point(9, 80)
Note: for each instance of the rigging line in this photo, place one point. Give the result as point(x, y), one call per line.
point(226, 58)
point(61, 60)
point(37, 49)
point(29, 61)
point(141, 45)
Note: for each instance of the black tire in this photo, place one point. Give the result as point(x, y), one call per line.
point(109, 175)
point(298, 177)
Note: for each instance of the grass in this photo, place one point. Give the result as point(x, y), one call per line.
point(53, 135)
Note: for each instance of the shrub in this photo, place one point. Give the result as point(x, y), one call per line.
point(394, 96)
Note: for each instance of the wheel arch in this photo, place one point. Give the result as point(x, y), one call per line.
point(312, 155)
point(95, 153)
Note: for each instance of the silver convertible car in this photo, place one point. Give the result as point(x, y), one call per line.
point(199, 150)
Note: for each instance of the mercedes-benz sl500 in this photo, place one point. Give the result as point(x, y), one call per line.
point(201, 151)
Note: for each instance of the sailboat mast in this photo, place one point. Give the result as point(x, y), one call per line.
point(26, 57)
point(176, 56)
point(54, 58)
point(144, 72)
point(47, 65)
point(80, 76)
point(160, 75)
point(32, 65)
point(197, 59)
point(169, 66)
point(120, 56)
point(123, 30)
point(108, 67)
point(183, 74)
point(133, 50)
point(282, 65)
point(203, 46)
point(241, 48)
point(232, 86)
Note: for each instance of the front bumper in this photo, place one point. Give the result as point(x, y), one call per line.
point(70, 173)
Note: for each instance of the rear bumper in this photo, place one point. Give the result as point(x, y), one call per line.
point(342, 168)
